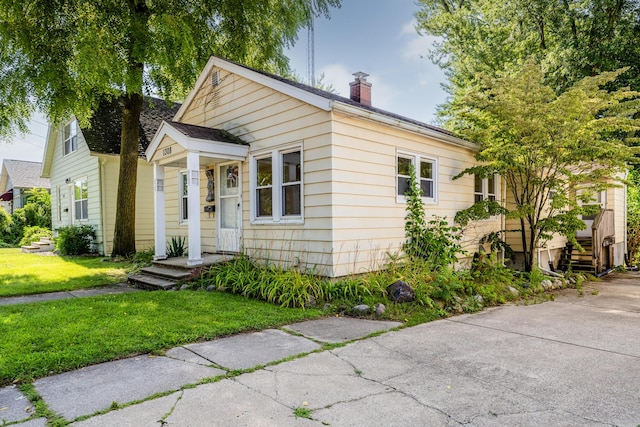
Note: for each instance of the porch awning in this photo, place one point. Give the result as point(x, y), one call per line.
point(174, 139)
point(5, 197)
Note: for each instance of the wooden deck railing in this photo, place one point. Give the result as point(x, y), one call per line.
point(603, 228)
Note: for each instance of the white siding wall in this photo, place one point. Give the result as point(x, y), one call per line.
point(102, 180)
point(72, 167)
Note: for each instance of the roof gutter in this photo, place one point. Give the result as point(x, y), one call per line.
point(380, 118)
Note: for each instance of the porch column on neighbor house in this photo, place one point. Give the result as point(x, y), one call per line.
point(158, 213)
point(193, 208)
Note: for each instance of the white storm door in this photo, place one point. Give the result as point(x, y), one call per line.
point(229, 207)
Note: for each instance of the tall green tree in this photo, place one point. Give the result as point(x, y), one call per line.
point(572, 39)
point(553, 151)
point(65, 56)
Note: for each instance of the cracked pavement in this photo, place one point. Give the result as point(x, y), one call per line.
point(574, 361)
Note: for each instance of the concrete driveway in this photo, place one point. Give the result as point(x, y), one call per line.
point(571, 362)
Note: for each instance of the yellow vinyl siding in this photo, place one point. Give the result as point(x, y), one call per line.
point(368, 221)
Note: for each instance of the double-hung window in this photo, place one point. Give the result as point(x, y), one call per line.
point(426, 174)
point(276, 185)
point(183, 192)
point(484, 188)
point(70, 137)
point(81, 199)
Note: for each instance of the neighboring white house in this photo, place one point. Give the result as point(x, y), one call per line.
point(16, 178)
point(83, 165)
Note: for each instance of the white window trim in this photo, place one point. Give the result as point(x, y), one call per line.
point(276, 154)
point(72, 124)
point(181, 220)
point(74, 200)
point(416, 158)
point(485, 188)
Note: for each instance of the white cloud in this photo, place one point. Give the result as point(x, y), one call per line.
point(415, 46)
point(338, 76)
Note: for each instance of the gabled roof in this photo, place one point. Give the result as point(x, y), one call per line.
point(103, 136)
point(324, 100)
point(23, 174)
point(205, 133)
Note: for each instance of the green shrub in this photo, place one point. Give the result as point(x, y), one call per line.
point(6, 225)
point(434, 241)
point(75, 240)
point(33, 234)
point(176, 248)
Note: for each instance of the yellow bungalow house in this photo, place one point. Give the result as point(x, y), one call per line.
point(286, 173)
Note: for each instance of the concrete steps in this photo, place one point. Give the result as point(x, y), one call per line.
point(43, 245)
point(159, 277)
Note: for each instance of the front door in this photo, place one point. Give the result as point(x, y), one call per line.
point(229, 222)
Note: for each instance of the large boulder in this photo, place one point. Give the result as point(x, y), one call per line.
point(401, 292)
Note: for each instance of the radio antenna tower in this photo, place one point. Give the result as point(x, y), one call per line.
point(311, 61)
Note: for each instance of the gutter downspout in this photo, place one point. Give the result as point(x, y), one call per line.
point(503, 219)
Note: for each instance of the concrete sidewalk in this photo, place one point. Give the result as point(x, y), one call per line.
point(571, 362)
point(78, 293)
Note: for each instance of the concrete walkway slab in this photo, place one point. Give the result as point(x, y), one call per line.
point(320, 380)
point(96, 387)
point(14, 406)
point(145, 414)
point(230, 404)
point(249, 350)
point(340, 329)
point(78, 293)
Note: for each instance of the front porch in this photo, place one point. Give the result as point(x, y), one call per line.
point(170, 273)
point(209, 167)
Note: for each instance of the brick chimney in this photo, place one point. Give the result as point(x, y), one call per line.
point(361, 89)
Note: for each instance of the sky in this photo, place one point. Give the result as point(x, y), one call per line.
point(377, 37)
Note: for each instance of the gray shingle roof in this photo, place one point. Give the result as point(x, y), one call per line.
point(201, 132)
point(25, 174)
point(106, 124)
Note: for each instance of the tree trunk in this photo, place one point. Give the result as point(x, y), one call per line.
point(124, 235)
point(525, 247)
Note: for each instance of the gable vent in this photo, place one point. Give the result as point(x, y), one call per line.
point(215, 78)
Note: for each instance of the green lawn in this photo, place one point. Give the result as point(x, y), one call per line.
point(50, 337)
point(25, 274)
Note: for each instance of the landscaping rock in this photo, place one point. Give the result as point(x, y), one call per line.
point(380, 309)
point(401, 292)
point(211, 288)
point(361, 309)
point(546, 284)
point(184, 287)
point(514, 291)
point(310, 302)
point(479, 298)
point(557, 284)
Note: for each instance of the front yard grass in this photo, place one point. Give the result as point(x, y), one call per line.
point(45, 338)
point(26, 274)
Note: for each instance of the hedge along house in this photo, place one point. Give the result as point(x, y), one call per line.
point(290, 174)
point(83, 164)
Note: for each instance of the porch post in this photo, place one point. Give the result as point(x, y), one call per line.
point(158, 213)
point(193, 208)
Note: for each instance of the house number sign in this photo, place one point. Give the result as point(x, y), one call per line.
point(166, 151)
